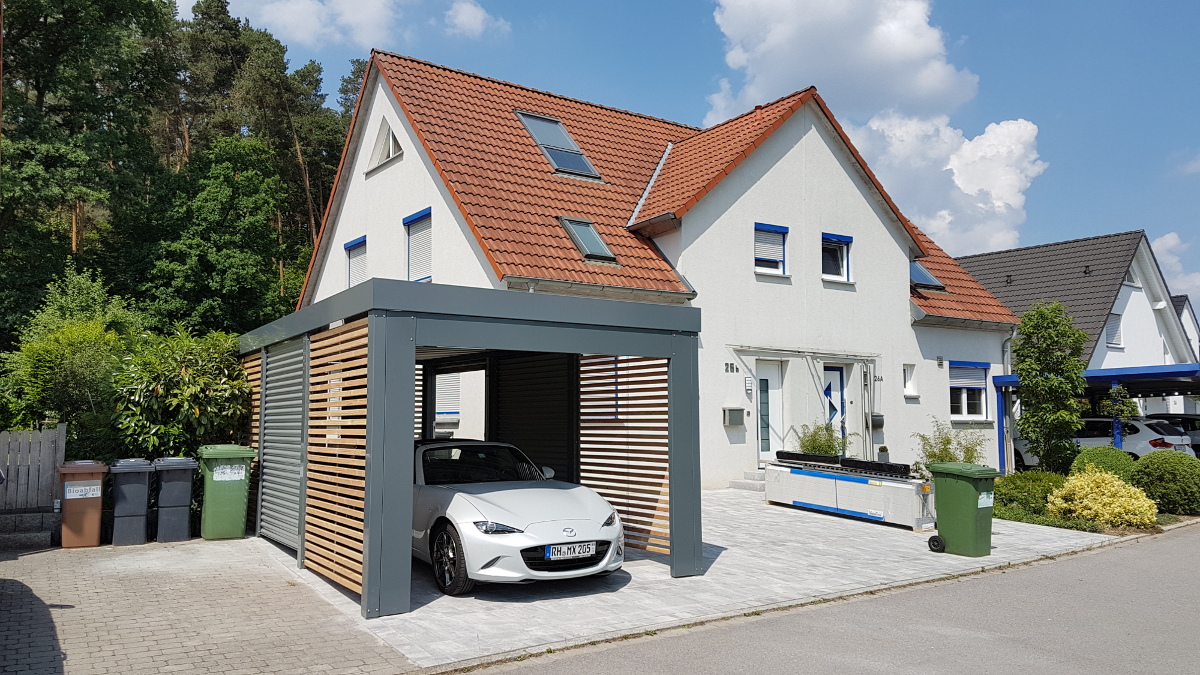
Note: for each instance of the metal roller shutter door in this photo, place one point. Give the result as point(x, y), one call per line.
point(535, 406)
point(282, 442)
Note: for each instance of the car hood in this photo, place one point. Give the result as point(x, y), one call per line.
point(521, 503)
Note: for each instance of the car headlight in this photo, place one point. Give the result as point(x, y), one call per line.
point(488, 527)
point(612, 519)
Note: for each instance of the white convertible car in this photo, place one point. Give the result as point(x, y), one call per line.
point(483, 512)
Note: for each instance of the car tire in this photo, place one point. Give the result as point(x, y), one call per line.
point(449, 563)
point(1133, 456)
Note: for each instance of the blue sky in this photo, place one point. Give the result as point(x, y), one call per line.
point(991, 124)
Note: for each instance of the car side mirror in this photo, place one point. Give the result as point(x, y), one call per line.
point(547, 472)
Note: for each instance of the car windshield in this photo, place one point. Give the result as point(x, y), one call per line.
point(1164, 428)
point(448, 465)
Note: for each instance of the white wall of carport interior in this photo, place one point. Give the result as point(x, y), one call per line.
point(802, 178)
point(374, 204)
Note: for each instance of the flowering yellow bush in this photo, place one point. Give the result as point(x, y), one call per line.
point(1102, 497)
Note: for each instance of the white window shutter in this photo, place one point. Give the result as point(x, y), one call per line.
point(968, 377)
point(768, 245)
point(420, 250)
point(447, 393)
point(356, 259)
point(1112, 330)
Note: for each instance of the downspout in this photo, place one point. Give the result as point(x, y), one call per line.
point(1004, 418)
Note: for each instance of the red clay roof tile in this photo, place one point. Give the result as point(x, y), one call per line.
point(964, 297)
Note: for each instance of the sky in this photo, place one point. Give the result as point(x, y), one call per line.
point(992, 124)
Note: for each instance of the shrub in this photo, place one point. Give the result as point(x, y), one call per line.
point(1171, 479)
point(1027, 490)
point(1107, 458)
point(821, 439)
point(1100, 497)
point(1022, 516)
point(945, 444)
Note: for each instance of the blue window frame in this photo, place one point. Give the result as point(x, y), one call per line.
point(968, 389)
point(770, 248)
point(835, 256)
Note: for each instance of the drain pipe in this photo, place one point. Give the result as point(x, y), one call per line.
point(1008, 450)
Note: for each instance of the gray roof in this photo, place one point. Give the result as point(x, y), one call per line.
point(1085, 275)
point(1180, 301)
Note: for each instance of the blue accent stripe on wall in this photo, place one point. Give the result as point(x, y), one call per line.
point(971, 364)
point(763, 227)
point(356, 242)
point(832, 476)
point(840, 238)
point(834, 509)
point(419, 215)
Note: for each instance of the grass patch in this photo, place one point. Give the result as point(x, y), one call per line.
point(1020, 515)
point(1168, 519)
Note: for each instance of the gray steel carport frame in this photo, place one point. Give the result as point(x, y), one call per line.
point(403, 316)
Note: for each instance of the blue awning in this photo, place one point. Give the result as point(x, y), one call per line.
point(1181, 379)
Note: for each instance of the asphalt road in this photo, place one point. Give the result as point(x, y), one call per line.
point(1134, 608)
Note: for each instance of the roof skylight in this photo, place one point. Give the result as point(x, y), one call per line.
point(584, 234)
point(920, 276)
point(558, 146)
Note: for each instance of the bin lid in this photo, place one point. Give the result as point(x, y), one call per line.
point(83, 466)
point(172, 463)
point(226, 451)
point(963, 469)
point(131, 466)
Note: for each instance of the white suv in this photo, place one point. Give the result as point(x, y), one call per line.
point(1139, 437)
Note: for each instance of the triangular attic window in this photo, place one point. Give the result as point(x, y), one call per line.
point(386, 146)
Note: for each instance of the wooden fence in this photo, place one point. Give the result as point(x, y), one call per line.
point(30, 460)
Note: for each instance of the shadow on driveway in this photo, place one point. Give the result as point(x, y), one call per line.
point(28, 638)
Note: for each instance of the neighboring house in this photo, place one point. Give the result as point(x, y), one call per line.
point(1187, 317)
point(821, 301)
point(1113, 289)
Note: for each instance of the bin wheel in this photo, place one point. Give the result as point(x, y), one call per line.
point(937, 544)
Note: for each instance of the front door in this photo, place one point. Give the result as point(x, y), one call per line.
point(835, 398)
point(770, 408)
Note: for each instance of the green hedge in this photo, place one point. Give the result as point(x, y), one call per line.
point(1022, 516)
point(1106, 458)
point(1027, 490)
point(1171, 479)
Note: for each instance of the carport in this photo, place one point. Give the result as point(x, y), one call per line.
point(603, 391)
point(1141, 382)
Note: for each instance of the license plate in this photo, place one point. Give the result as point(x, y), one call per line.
point(568, 551)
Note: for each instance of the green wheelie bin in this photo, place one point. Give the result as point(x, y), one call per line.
point(963, 496)
point(226, 470)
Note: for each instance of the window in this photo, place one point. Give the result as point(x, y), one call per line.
point(356, 262)
point(920, 277)
point(1096, 429)
point(1131, 278)
point(1112, 331)
point(769, 247)
point(557, 145)
point(910, 381)
point(587, 240)
point(447, 395)
point(968, 388)
point(835, 256)
point(420, 245)
point(386, 146)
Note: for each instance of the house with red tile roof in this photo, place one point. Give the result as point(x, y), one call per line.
point(822, 302)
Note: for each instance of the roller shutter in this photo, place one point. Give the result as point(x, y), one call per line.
point(282, 442)
point(534, 404)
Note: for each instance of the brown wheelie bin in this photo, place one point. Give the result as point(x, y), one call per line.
point(83, 487)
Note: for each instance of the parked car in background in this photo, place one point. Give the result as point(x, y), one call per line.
point(1139, 437)
point(1189, 423)
point(483, 512)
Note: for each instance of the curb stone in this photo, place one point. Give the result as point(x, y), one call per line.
point(651, 629)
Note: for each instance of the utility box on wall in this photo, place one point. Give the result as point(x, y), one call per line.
point(734, 417)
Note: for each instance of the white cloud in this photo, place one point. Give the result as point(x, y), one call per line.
point(313, 23)
point(1191, 167)
point(1170, 250)
point(468, 19)
point(881, 61)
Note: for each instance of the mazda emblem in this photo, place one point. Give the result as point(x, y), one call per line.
point(569, 531)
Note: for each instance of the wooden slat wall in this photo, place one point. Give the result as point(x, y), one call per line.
point(252, 364)
point(337, 451)
point(623, 443)
point(30, 460)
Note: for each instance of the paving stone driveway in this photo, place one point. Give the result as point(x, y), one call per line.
point(196, 607)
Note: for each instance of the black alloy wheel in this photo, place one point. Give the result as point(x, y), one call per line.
point(449, 564)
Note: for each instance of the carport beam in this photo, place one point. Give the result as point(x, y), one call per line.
point(683, 447)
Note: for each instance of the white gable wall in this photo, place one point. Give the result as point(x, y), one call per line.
point(374, 203)
point(803, 179)
point(1151, 332)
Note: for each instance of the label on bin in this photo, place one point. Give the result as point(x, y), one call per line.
point(986, 499)
point(81, 489)
point(229, 472)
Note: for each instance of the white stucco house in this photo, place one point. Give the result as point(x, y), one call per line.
point(1114, 290)
point(821, 301)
